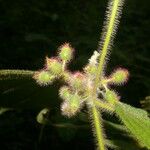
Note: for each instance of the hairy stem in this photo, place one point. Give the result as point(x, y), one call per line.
point(98, 130)
point(111, 26)
point(104, 105)
point(16, 72)
point(111, 23)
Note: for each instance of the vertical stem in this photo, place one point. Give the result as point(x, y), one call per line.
point(107, 39)
point(112, 17)
point(97, 123)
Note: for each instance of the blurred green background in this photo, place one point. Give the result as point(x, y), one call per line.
point(31, 30)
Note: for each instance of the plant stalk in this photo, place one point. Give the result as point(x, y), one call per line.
point(97, 124)
point(111, 26)
point(110, 30)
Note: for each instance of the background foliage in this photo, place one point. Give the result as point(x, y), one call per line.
point(30, 30)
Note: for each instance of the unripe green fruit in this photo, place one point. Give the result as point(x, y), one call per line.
point(75, 102)
point(66, 52)
point(91, 69)
point(120, 76)
point(43, 77)
point(111, 96)
point(65, 93)
point(54, 66)
point(77, 80)
point(71, 107)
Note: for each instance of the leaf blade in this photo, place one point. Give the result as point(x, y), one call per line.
point(137, 122)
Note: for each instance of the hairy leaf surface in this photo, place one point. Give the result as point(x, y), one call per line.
point(137, 121)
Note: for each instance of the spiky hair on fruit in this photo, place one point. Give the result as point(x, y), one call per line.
point(77, 80)
point(65, 92)
point(118, 77)
point(65, 52)
point(70, 107)
point(54, 65)
point(43, 77)
point(90, 69)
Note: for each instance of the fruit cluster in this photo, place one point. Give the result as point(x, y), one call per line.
point(79, 84)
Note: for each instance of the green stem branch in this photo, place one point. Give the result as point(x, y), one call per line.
point(104, 105)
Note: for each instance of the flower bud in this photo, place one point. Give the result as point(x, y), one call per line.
point(94, 58)
point(43, 77)
point(111, 96)
point(54, 66)
point(119, 76)
point(66, 52)
point(71, 107)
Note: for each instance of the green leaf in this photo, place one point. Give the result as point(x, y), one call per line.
point(125, 144)
point(137, 122)
point(110, 144)
point(3, 110)
point(66, 128)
